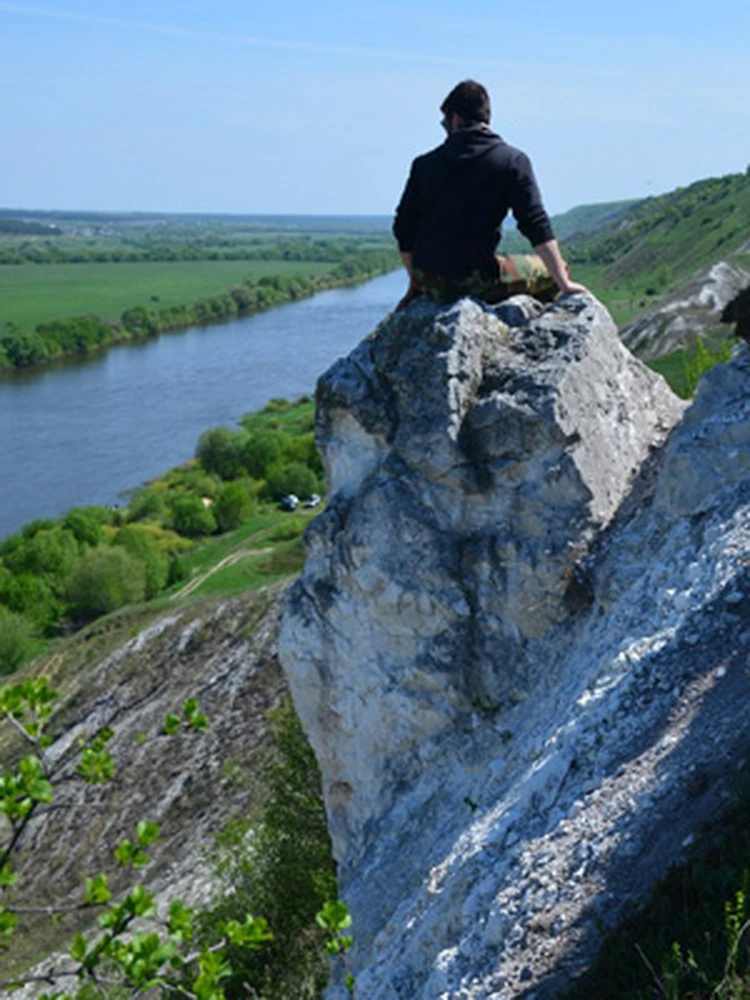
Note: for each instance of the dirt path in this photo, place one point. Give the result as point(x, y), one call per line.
point(233, 557)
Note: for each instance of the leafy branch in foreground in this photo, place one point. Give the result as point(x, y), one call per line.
point(137, 948)
point(120, 952)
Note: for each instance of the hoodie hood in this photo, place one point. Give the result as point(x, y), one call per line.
point(469, 142)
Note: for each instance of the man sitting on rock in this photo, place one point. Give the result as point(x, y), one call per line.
point(449, 219)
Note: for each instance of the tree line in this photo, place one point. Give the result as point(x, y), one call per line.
point(85, 334)
point(211, 247)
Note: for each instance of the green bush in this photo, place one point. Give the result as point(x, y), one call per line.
point(85, 527)
point(47, 552)
point(260, 451)
point(291, 477)
point(147, 503)
point(219, 450)
point(136, 540)
point(234, 505)
point(17, 641)
point(33, 597)
point(103, 580)
point(279, 863)
point(191, 517)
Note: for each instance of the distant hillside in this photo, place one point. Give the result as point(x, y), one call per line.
point(583, 218)
point(579, 220)
point(636, 260)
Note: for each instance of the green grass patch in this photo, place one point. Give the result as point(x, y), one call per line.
point(38, 293)
point(254, 569)
point(683, 368)
point(265, 549)
point(679, 947)
point(295, 417)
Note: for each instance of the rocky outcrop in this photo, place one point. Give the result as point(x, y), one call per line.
point(523, 622)
point(692, 311)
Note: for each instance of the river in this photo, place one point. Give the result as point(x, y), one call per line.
point(86, 432)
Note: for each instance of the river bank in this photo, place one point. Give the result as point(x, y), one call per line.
point(88, 334)
point(79, 434)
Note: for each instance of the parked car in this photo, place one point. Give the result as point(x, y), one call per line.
point(312, 501)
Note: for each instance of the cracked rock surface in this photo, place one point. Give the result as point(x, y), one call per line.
point(520, 642)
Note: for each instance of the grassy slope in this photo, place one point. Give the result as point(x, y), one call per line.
point(581, 219)
point(585, 218)
point(35, 293)
point(644, 256)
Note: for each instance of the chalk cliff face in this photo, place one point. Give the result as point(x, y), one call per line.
point(696, 308)
point(519, 645)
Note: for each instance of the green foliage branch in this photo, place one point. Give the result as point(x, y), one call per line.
point(171, 955)
point(120, 954)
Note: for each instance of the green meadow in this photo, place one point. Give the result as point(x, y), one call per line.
point(38, 293)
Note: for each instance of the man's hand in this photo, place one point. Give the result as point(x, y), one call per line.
point(411, 293)
point(558, 269)
point(572, 287)
point(414, 289)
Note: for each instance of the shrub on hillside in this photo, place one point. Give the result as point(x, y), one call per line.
point(147, 503)
point(33, 597)
point(190, 517)
point(49, 551)
point(291, 477)
point(219, 450)
point(234, 505)
point(17, 641)
point(103, 580)
point(279, 863)
point(136, 540)
point(260, 451)
point(85, 527)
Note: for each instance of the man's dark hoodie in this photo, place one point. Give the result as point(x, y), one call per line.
point(452, 209)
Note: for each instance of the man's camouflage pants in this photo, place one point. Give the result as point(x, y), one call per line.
point(520, 274)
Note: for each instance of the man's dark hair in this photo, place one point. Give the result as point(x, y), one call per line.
point(470, 100)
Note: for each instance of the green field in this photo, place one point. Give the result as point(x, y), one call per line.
point(37, 293)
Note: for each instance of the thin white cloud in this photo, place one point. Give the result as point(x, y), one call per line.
point(290, 45)
point(54, 14)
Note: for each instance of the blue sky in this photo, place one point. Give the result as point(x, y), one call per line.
point(305, 107)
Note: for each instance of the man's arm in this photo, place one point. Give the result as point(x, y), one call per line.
point(558, 269)
point(405, 227)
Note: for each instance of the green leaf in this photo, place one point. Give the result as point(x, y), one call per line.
point(172, 724)
point(125, 851)
point(147, 833)
point(180, 922)
point(79, 948)
point(96, 765)
point(334, 916)
point(251, 934)
point(8, 921)
point(191, 708)
point(7, 876)
point(139, 902)
point(97, 890)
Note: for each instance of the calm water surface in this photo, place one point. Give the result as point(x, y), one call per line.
point(82, 434)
